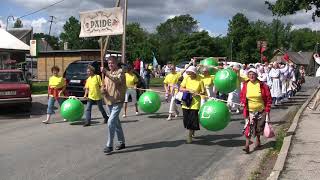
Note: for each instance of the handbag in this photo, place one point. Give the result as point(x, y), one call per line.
point(268, 131)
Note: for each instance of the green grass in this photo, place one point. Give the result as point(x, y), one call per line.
point(39, 88)
point(156, 82)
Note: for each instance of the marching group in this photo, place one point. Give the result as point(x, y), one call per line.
point(258, 87)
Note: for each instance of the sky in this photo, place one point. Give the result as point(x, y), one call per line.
point(212, 15)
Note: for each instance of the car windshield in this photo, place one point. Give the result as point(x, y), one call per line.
point(11, 77)
point(76, 69)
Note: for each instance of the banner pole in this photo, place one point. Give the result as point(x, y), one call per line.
point(123, 56)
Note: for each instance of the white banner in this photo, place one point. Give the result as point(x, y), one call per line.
point(33, 48)
point(103, 22)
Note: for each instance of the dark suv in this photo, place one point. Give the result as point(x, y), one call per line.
point(76, 76)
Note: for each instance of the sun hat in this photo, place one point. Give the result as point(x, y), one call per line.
point(252, 70)
point(192, 69)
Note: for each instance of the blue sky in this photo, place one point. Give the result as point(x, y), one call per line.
point(213, 15)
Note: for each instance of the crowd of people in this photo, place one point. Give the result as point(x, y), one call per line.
point(258, 87)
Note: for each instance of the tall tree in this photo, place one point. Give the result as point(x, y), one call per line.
point(18, 24)
point(53, 41)
point(71, 35)
point(286, 7)
point(171, 31)
point(196, 44)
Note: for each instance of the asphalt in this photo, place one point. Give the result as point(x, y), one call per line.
point(156, 148)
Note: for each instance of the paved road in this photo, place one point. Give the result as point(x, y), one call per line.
point(156, 147)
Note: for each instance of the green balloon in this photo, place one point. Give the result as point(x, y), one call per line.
point(210, 62)
point(72, 110)
point(149, 102)
point(214, 115)
point(225, 80)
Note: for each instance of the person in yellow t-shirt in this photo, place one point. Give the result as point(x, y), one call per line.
point(93, 95)
point(131, 83)
point(207, 80)
point(171, 87)
point(56, 87)
point(194, 85)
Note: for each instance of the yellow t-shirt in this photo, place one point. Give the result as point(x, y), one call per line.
point(172, 80)
point(131, 80)
point(255, 101)
point(196, 86)
point(93, 84)
point(56, 82)
point(208, 80)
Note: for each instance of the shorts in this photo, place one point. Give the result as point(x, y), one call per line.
point(132, 93)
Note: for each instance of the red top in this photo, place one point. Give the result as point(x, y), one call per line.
point(266, 97)
point(136, 64)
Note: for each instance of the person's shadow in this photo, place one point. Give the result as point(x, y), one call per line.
point(207, 140)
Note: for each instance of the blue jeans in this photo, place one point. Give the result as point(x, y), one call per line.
point(51, 102)
point(90, 102)
point(114, 125)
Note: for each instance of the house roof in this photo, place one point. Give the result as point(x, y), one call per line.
point(302, 58)
point(10, 42)
point(20, 32)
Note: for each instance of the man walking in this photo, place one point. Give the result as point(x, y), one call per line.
point(115, 89)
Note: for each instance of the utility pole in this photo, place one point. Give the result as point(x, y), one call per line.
point(51, 21)
point(231, 49)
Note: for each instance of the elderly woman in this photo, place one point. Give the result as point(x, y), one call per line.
point(193, 87)
point(256, 98)
point(275, 74)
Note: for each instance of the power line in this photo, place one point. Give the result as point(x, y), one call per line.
point(41, 9)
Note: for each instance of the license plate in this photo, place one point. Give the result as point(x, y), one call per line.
point(8, 93)
point(75, 81)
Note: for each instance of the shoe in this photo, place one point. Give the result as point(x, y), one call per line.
point(124, 116)
point(45, 122)
point(121, 146)
point(137, 113)
point(65, 120)
point(169, 118)
point(86, 124)
point(108, 150)
point(246, 149)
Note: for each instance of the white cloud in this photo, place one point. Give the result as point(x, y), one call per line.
point(38, 25)
point(149, 13)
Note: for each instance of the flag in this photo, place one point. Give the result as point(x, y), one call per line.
point(264, 59)
point(262, 49)
point(286, 57)
point(154, 61)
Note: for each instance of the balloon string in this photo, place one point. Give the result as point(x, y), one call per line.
point(216, 99)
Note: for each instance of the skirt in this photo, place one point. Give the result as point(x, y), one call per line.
point(191, 119)
point(276, 90)
point(254, 126)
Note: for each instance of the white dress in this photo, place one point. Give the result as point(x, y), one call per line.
point(275, 74)
point(317, 61)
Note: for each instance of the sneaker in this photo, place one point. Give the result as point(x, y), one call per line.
point(45, 122)
point(121, 146)
point(108, 150)
point(124, 116)
point(169, 118)
point(137, 113)
point(65, 120)
point(86, 124)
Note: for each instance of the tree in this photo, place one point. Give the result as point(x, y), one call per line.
point(71, 35)
point(286, 7)
point(18, 24)
point(172, 31)
point(196, 44)
point(53, 41)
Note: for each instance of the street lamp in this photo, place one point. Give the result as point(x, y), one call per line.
point(8, 21)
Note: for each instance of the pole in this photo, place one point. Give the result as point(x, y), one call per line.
point(123, 57)
point(49, 30)
point(231, 49)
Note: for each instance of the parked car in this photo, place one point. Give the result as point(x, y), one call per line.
point(76, 76)
point(14, 89)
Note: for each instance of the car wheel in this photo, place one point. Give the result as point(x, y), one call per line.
point(27, 107)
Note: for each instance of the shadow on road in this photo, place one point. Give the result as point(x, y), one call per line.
point(208, 140)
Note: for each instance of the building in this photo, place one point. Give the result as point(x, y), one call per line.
point(12, 50)
point(298, 58)
point(62, 58)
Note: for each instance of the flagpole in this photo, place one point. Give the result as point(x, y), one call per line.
point(123, 56)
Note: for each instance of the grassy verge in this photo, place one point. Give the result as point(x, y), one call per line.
point(39, 88)
point(156, 82)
